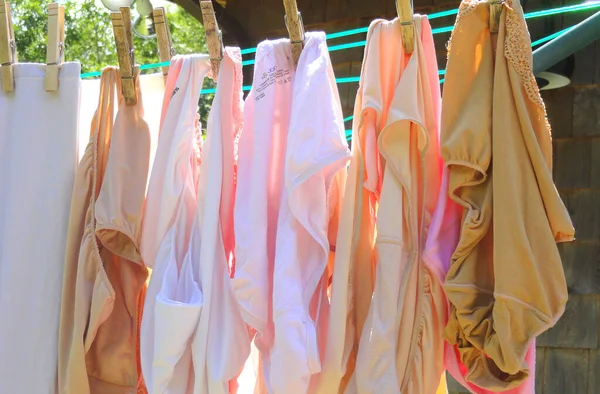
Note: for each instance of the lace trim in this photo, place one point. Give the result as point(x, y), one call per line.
point(238, 112)
point(197, 140)
point(466, 7)
point(517, 46)
point(517, 50)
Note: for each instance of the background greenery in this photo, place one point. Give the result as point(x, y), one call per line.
point(89, 37)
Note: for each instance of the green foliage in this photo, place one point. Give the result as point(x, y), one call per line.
point(89, 37)
point(89, 34)
point(30, 25)
point(187, 33)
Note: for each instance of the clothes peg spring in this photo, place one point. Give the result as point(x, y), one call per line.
point(295, 27)
point(214, 37)
point(495, 13)
point(56, 46)
point(121, 22)
point(407, 26)
point(8, 47)
point(163, 35)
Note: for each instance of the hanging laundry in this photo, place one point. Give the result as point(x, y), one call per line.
point(38, 160)
point(76, 303)
point(401, 347)
point(152, 87)
point(195, 302)
point(221, 344)
point(496, 145)
point(104, 277)
point(173, 293)
point(394, 344)
point(442, 240)
point(292, 156)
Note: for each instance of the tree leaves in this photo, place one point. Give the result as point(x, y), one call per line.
point(89, 37)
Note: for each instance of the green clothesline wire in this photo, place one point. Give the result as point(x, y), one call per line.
point(535, 14)
point(362, 30)
point(440, 72)
point(535, 43)
point(551, 36)
point(345, 33)
point(443, 72)
point(447, 29)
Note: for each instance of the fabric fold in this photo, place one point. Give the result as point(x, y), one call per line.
point(288, 194)
point(350, 297)
point(390, 342)
point(401, 349)
point(176, 314)
point(166, 234)
point(316, 151)
point(497, 146)
point(221, 343)
point(104, 275)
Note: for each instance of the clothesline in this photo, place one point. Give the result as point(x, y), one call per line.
point(356, 79)
point(443, 72)
point(530, 15)
point(139, 229)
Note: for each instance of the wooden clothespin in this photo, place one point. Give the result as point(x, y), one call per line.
point(8, 47)
point(495, 13)
point(407, 26)
point(121, 21)
point(214, 38)
point(163, 35)
point(56, 45)
point(295, 27)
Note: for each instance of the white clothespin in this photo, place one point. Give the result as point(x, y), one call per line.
point(8, 48)
point(495, 13)
point(121, 22)
point(295, 27)
point(163, 35)
point(407, 26)
point(214, 38)
point(56, 45)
